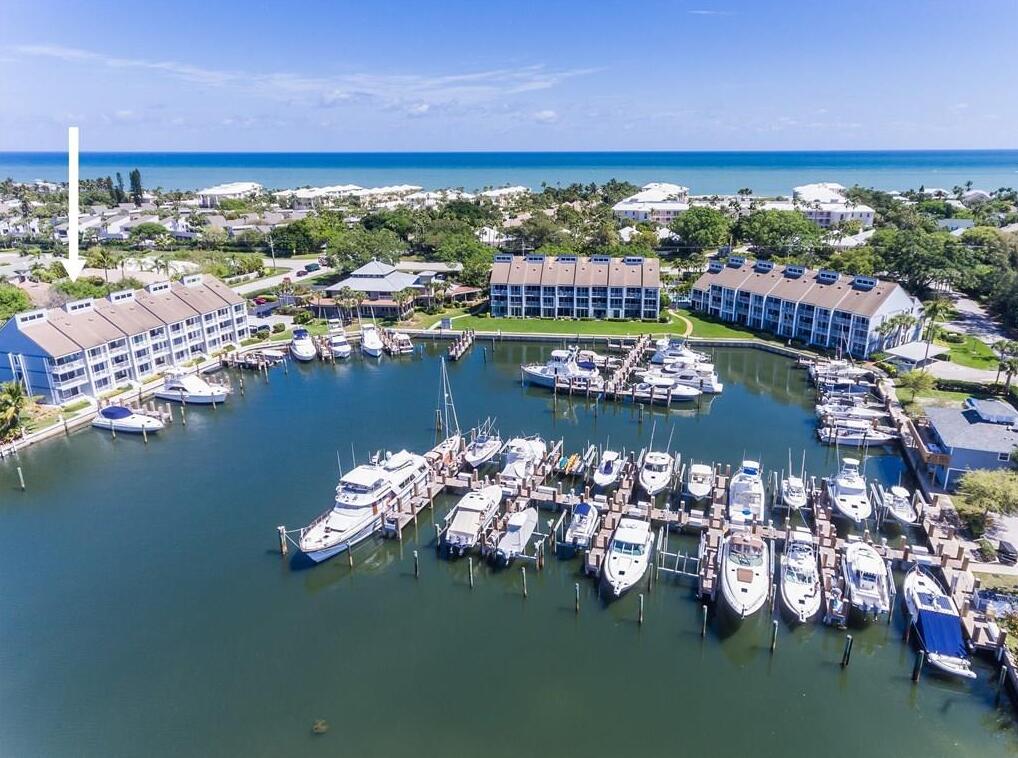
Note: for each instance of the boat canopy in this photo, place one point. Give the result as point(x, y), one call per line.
point(583, 509)
point(115, 412)
point(300, 334)
point(940, 631)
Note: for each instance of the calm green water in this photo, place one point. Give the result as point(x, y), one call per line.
point(146, 611)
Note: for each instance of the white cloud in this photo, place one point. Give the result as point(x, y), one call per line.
point(706, 12)
point(546, 117)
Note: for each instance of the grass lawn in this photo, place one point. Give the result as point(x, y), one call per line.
point(709, 328)
point(566, 326)
point(426, 320)
point(973, 353)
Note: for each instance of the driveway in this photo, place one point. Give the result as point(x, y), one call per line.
point(273, 281)
point(972, 318)
point(948, 370)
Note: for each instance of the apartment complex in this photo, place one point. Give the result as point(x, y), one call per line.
point(93, 345)
point(570, 286)
point(659, 202)
point(823, 307)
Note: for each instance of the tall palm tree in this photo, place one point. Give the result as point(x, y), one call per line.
point(934, 310)
point(100, 257)
point(404, 296)
point(1003, 348)
point(1010, 367)
point(12, 402)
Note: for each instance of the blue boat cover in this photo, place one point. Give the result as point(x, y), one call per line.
point(300, 334)
point(115, 412)
point(583, 509)
point(589, 365)
point(941, 633)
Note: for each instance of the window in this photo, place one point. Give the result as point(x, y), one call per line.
point(1004, 457)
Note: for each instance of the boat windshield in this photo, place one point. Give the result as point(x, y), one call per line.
point(657, 467)
point(746, 555)
point(627, 548)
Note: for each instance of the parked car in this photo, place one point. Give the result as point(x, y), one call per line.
point(1007, 553)
point(302, 272)
point(260, 301)
point(311, 267)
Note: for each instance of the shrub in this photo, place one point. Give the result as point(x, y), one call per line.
point(303, 317)
point(952, 338)
point(986, 551)
point(277, 328)
point(888, 368)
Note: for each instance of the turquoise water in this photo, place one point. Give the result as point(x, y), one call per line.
point(146, 610)
point(708, 172)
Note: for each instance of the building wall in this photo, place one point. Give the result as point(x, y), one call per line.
point(575, 302)
point(963, 460)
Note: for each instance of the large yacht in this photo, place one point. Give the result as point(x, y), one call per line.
point(746, 494)
point(371, 341)
point(564, 365)
point(848, 492)
point(363, 497)
point(867, 579)
point(689, 373)
point(666, 349)
point(800, 577)
point(656, 472)
point(628, 555)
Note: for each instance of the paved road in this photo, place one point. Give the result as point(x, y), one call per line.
point(272, 281)
point(973, 319)
point(948, 370)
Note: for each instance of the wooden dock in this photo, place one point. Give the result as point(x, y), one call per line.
point(461, 345)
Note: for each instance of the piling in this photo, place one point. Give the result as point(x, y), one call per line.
point(917, 669)
point(113, 432)
point(242, 384)
point(144, 434)
point(846, 656)
point(349, 555)
point(183, 414)
point(1001, 682)
point(417, 566)
point(774, 634)
point(641, 609)
point(283, 547)
point(703, 628)
point(21, 479)
point(470, 570)
point(576, 592)
point(523, 572)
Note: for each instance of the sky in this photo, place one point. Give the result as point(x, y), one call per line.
point(545, 75)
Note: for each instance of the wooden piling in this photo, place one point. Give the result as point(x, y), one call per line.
point(21, 479)
point(576, 592)
point(917, 669)
point(846, 656)
point(774, 634)
point(703, 628)
point(283, 546)
point(523, 572)
point(349, 555)
point(144, 434)
point(470, 569)
point(1001, 683)
point(417, 566)
point(641, 609)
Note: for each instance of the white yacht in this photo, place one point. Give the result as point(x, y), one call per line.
point(482, 448)
point(371, 341)
point(867, 579)
point(562, 364)
point(469, 517)
point(844, 412)
point(403, 343)
point(793, 493)
point(363, 497)
point(901, 505)
point(701, 481)
point(847, 490)
point(937, 624)
point(745, 573)
point(339, 345)
point(659, 386)
point(656, 472)
point(666, 348)
point(517, 535)
point(800, 577)
point(191, 388)
point(853, 433)
point(701, 376)
point(522, 455)
point(628, 555)
point(746, 494)
point(119, 418)
point(582, 526)
point(302, 347)
point(609, 468)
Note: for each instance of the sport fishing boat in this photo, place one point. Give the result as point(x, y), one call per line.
point(847, 490)
point(582, 526)
point(937, 623)
point(561, 365)
point(363, 497)
point(302, 347)
point(184, 387)
point(609, 468)
point(851, 433)
point(482, 448)
point(800, 578)
point(900, 505)
point(339, 345)
point(746, 494)
point(119, 418)
point(745, 573)
point(469, 518)
point(628, 555)
point(867, 579)
point(793, 493)
point(701, 481)
point(522, 455)
point(517, 535)
point(371, 341)
point(656, 472)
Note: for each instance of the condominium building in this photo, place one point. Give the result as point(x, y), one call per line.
point(823, 307)
point(658, 202)
point(210, 197)
point(93, 345)
point(570, 286)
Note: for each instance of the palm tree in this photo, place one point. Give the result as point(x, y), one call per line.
point(934, 310)
point(1010, 368)
point(347, 299)
point(1003, 348)
point(100, 257)
point(887, 326)
point(441, 289)
point(404, 296)
point(12, 402)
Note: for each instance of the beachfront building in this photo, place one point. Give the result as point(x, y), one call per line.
point(380, 285)
point(210, 197)
point(570, 286)
point(90, 346)
point(659, 202)
point(822, 307)
point(981, 434)
point(504, 195)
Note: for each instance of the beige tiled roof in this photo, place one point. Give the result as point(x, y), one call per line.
point(86, 328)
point(50, 339)
point(128, 316)
point(165, 305)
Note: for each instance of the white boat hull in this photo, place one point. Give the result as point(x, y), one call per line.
point(371, 526)
point(193, 399)
point(134, 425)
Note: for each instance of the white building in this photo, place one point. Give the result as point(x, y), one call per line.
point(505, 195)
point(210, 197)
point(313, 197)
point(659, 202)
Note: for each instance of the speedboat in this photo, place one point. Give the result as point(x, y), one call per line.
point(901, 505)
point(470, 517)
point(482, 449)
point(656, 472)
point(745, 573)
point(660, 387)
point(561, 365)
point(339, 345)
point(190, 388)
point(517, 535)
point(628, 555)
point(701, 481)
point(119, 418)
point(847, 491)
point(302, 347)
point(582, 526)
point(937, 623)
point(851, 433)
point(363, 497)
point(609, 468)
point(371, 341)
point(800, 578)
point(793, 493)
point(746, 494)
point(402, 342)
point(522, 455)
point(867, 579)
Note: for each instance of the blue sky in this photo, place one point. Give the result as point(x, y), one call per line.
point(552, 75)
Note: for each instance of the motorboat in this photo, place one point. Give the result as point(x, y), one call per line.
point(793, 493)
point(937, 624)
point(899, 503)
point(851, 433)
point(701, 481)
point(661, 387)
point(522, 455)
point(656, 472)
point(468, 519)
point(371, 341)
point(482, 448)
point(745, 573)
point(519, 529)
point(666, 348)
point(847, 490)
point(364, 496)
point(609, 468)
point(582, 526)
point(700, 376)
point(562, 365)
point(746, 494)
point(339, 345)
point(185, 387)
point(302, 347)
point(628, 555)
point(800, 578)
point(403, 345)
point(836, 369)
point(867, 579)
point(119, 418)
point(842, 411)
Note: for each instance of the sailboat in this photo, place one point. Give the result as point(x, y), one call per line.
point(450, 421)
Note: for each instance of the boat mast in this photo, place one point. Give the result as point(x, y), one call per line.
point(448, 406)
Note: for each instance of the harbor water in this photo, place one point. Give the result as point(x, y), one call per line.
point(147, 611)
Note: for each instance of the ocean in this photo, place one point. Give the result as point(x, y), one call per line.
point(766, 173)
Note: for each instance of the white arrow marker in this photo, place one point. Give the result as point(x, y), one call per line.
point(74, 264)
